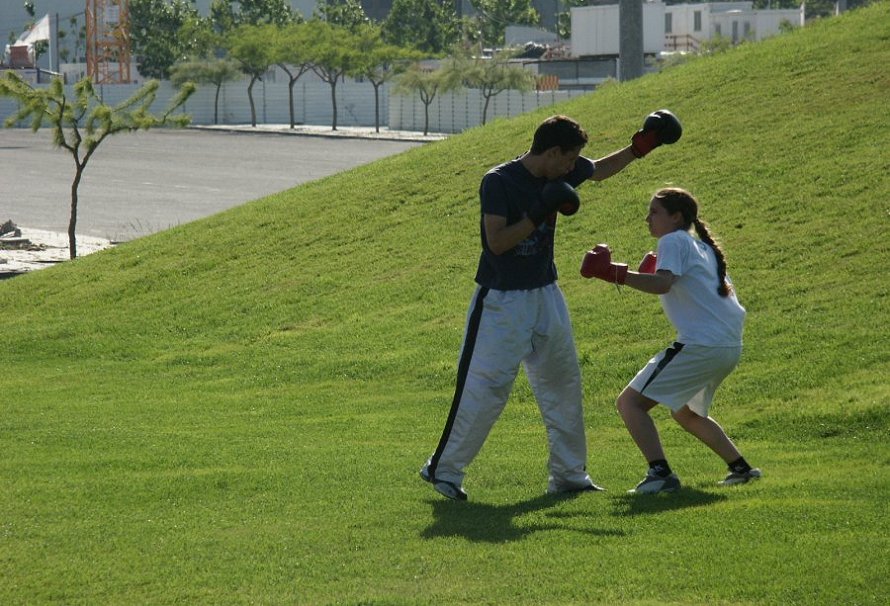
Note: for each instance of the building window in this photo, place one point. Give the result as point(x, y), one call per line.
point(697, 19)
point(668, 23)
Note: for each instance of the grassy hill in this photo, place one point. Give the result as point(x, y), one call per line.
point(235, 410)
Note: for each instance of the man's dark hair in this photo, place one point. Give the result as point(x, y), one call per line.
point(558, 131)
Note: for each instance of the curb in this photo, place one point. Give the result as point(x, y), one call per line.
point(347, 132)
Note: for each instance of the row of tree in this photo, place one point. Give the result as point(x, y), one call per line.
point(339, 41)
point(166, 31)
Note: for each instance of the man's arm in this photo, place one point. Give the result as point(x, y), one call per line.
point(612, 164)
point(502, 237)
point(660, 127)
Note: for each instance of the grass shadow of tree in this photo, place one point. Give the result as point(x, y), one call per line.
point(643, 504)
point(482, 522)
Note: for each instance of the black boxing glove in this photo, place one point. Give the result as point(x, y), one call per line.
point(660, 127)
point(569, 202)
point(555, 196)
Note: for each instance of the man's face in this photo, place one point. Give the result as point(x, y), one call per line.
point(560, 163)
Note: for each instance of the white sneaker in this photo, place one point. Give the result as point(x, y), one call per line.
point(575, 489)
point(734, 478)
point(446, 489)
point(654, 483)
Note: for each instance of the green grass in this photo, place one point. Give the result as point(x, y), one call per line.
point(235, 410)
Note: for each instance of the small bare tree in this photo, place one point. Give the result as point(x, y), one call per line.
point(333, 55)
point(208, 70)
point(249, 45)
point(496, 75)
point(380, 62)
point(79, 125)
point(428, 83)
point(292, 54)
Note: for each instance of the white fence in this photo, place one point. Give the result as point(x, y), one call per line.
point(458, 111)
point(449, 113)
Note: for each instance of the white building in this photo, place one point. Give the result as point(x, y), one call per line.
point(595, 30)
point(687, 25)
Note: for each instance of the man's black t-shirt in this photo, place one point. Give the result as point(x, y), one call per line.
point(508, 190)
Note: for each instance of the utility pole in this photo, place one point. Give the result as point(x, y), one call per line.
point(630, 39)
point(54, 59)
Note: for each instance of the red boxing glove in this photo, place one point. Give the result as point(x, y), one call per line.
point(595, 259)
point(597, 263)
point(647, 265)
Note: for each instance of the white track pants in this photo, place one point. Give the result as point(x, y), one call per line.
point(505, 329)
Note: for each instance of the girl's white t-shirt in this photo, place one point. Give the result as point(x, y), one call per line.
point(700, 315)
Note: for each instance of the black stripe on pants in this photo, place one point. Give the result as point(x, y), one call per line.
point(463, 368)
point(669, 354)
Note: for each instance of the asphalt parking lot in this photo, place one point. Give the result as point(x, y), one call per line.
point(140, 183)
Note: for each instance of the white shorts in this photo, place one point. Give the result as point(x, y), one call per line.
point(686, 375)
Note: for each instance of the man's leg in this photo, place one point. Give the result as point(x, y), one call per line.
point(555, 377)
point(487, 369)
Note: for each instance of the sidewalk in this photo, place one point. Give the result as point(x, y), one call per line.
point(311, 130)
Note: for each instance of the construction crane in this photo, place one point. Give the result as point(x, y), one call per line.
point(108, 41)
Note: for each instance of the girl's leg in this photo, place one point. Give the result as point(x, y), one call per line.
point(709, 432)
point(634, 409)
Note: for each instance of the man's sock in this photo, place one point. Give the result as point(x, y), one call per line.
point(660, 467)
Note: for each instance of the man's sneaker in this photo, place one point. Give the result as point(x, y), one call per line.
point(654, 483)
point(734, 478)
point(576, 489)
point(446, 489)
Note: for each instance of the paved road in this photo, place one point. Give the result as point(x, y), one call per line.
point(141, 183)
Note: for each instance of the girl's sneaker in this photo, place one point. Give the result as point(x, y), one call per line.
point(654, 483)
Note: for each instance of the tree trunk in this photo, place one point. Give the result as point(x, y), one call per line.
point(485, 109)
point(427, 99)
point(72, 218)
point(334, 101)
point(290, 97)
point(377, 108)
point(216, 105)
point(250, 97)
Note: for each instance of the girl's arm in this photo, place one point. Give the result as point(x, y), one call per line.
point(658, 283)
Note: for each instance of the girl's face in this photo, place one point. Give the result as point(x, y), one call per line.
point(660, 221)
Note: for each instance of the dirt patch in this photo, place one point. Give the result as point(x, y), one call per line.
point(23, 249)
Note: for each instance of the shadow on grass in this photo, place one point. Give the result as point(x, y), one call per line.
point(497, 523)
point(643, 504)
